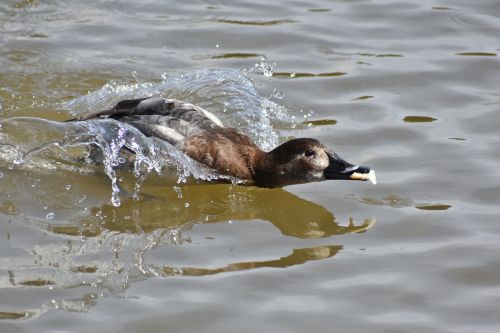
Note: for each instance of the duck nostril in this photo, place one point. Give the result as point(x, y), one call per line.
point(363, 169)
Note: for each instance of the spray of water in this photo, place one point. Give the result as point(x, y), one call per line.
point(230, 94)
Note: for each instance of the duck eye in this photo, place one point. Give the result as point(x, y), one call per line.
point(310, 153)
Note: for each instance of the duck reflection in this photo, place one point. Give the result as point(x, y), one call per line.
point(175, 211)
point(194, 204)
point(298, 257)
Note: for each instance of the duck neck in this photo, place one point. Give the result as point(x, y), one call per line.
point(264, 173)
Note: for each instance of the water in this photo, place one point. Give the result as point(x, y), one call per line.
point(409, 88)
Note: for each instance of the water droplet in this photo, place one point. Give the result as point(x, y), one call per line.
point(82, 199)
point(134, 75)
point(49, 216)
point(115, 200)
point(268, 71)
point(19, 159)
point(265, 68)
point(278, 94)
point(178, 191)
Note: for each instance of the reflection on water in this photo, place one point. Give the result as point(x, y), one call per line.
point(237, 55)
point(256, 23)
point(108, 248)
point(433, 207)
point(305, 75)
point(321, 122)
point(477, 54)
point(384, 55)
point(362, 98)
point(13, 315)
point(398, 201)
point(418, 119)
point(291, 215)
point(299, 256)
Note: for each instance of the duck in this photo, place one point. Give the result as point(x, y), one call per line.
point(203, 137)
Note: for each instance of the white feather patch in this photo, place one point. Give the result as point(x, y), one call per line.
point(167, 134)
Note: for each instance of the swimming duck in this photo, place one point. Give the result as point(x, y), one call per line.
point(202, 136)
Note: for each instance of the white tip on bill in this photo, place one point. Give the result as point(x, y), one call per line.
point(365, 176)
point(371, 177)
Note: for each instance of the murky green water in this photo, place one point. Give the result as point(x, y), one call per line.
point(410, 88)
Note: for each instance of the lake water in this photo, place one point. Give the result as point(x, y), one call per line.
point(409, 88)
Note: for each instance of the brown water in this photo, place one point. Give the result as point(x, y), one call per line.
point(410, 88)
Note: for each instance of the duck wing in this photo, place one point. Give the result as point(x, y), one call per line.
point(168, 119)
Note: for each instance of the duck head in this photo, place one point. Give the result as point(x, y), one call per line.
point(307, 160)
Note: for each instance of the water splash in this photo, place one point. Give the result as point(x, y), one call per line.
point(265, 67)
point(105, 264)
point(230, 94)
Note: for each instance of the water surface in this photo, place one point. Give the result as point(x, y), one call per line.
point(410, 88)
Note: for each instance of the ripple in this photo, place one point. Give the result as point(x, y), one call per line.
point(26, 3)
point(230, 55)
point(319, 10)
point(14, 315)
point(298, 257)
point(363, 98)
point(473, 19)
point(418, 119)
point(440, 8)
point(434, 207)
point(84, 269)
point(257, 23)
point(383, 55)
point(296, 75)
point(37, 283)
point(476, 54)
point(397, 201)
point(239, 55)
point(482, 275)
point(321, 122)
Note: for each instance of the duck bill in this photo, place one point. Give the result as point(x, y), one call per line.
point(340, 169)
